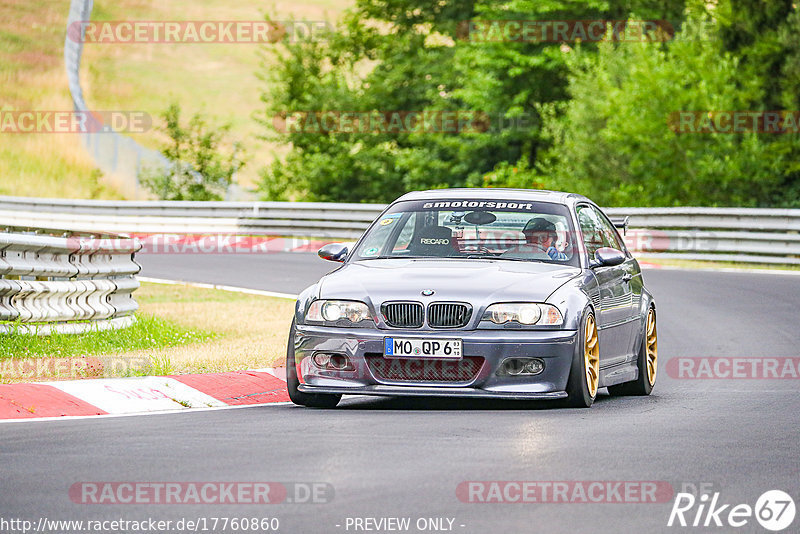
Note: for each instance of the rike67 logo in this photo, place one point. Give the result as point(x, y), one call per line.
point(774, 510)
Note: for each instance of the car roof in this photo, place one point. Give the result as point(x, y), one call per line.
point(495, 193)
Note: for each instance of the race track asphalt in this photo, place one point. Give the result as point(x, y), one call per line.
point(406, 457)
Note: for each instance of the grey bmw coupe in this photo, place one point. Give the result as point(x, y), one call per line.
point(492, 293)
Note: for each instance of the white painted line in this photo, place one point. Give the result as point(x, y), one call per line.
point(233, 289)
point(137, 394)
point(163, 412)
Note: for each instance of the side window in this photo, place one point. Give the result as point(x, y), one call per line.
point(597, 231)
point(609, 232)
point(592, 236)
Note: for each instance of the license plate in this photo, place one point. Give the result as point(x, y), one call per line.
point(406, 347)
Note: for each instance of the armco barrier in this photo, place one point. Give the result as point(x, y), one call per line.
point(306, 219)
point(66, 284)
point(752, 235)
point(729, 234)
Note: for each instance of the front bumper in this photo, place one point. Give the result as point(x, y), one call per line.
point(554, 347)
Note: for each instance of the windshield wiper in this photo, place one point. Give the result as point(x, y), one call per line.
point(392, 257)
point(488, 256)
point(501, 258)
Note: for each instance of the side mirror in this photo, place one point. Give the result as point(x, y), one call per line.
point(334, 252)
point(607, 257)
point(621, 223)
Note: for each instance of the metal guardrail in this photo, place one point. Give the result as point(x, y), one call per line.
point(306, 219)
point(66, 284)
point(750, 235)
point(725, 234)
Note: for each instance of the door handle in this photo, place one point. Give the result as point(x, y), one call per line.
point(627, 277)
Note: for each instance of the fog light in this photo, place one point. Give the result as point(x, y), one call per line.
point(513, 366)
point(321, 359)
point(534, 367)
point(521, 367)
point(338, 362)
point(332, 361)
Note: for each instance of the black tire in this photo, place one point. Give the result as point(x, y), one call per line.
point(313, 400)
point(641, 386)
point(578, 394)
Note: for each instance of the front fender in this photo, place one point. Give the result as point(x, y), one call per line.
point(574, 297)
point(304, 300)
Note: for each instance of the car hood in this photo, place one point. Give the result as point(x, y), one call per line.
point(473, 281)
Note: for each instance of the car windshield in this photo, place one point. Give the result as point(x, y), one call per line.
point(473, 229)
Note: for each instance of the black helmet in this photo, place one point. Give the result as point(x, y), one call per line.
point(539, 224)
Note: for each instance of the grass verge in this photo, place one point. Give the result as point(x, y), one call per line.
point(251, 330)
point(147, 332)
point(180, 329)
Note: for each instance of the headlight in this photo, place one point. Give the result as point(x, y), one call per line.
point(525, 313)
point(333, 310)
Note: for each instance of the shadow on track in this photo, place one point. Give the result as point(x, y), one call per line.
point(365, 403)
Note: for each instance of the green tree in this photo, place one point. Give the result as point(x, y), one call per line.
point(416, 58)
point(612, 139)
point(765, 36)
point(198, 168)
point(596, 114)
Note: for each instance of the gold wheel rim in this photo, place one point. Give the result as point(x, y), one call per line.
point(591, 356)
point(652, 347)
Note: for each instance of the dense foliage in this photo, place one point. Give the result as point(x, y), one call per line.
point(591, 117)
point(198, 168)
